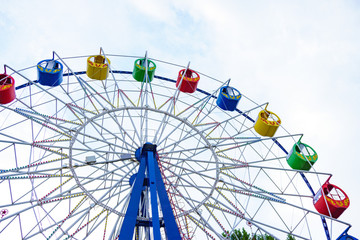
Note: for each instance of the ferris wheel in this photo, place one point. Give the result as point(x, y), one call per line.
point(130, 147)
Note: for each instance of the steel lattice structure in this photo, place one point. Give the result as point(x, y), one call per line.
point(99, 154)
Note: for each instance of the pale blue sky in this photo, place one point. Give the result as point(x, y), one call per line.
point(301, 56)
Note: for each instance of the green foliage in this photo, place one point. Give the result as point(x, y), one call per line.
point(290, 237)
point(264, 237)
point(244, 235)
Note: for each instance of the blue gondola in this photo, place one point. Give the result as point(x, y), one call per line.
point(228, 98)
point(50, 72)
point(346, 236)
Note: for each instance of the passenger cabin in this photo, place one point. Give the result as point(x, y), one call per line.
point(228, 98)
point(331, 200)
point(301, 156)
point(187, 80)
point(50, 72)
point(97, 67)
point(140, 70)
point(267, 123)
point(7, 89)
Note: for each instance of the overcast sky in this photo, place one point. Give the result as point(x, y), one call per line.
point(301, 56)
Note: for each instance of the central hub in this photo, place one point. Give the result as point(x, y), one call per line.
point(105, 153)
point(141, 150)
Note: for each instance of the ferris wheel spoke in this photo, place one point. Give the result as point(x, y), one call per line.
point(88, 233)
point(262, 194)
point(12, 142)
point(195, 185)
point(58, 225)
point(115, 226)
point(117, 89)
point(136, 132)
point(177, 91)
point(286, 172)
point(242, 114)
point(209, 222)
point(169, 110)
point(105, 87)
point(246, 143)
point(39, 121)
point(202, 227)
point(95, 226)
point(42, 220)
point(93, 179)
point(98, 153)
point(143, 93)
point(36, 117)
point(158, 135)
point(279, 216)
point(99, 126)
point(118, 183)
point(192, 107)
point(304, 218)
point(197, 119)
point(87, 87)
point(178, 162)
point(192, 171)
point(144, 100)
point(72, 105)
point(104, 141)
point(183, 138)
point(90, 91)
point(37, 85)
point(182, 150)
point(75, 110)
point(68, 191)
point(79, 220)
point(165, 123)
point(213, 217)
point(204, 102)
point(261, 225)
point(191, 201)
point(123, 132)
point(183, 159)
point(181, 126)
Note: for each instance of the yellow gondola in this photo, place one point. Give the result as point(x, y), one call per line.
point(97, 67)
point(267, 123)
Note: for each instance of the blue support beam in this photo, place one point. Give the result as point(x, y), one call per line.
point(153, 193)
point(149, 170)
point(133, 207)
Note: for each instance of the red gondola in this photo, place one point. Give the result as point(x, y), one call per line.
point(189, 81)
point(331, 200)
point(7, 88)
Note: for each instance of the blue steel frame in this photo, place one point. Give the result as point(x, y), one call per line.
point(149, 169)
point(346, 236)
point(161, 184)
